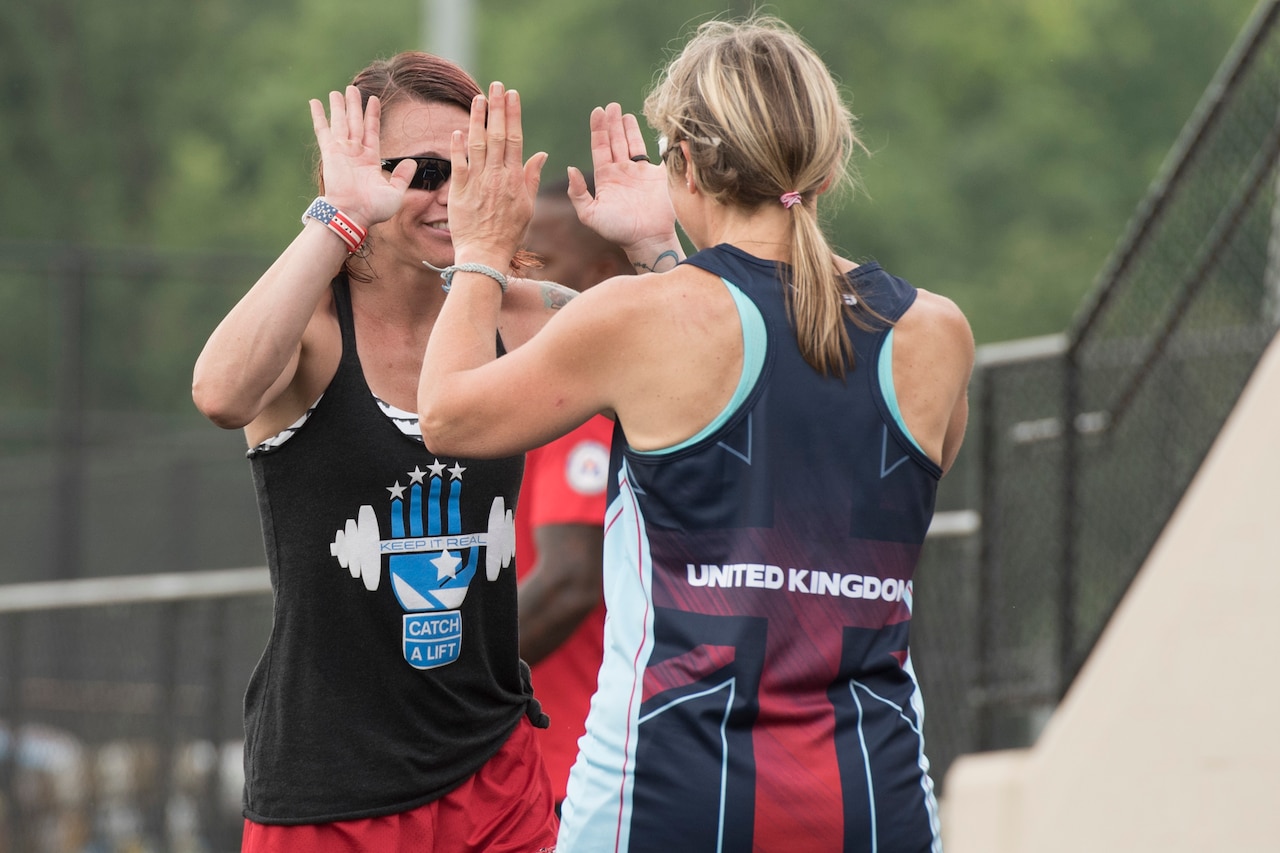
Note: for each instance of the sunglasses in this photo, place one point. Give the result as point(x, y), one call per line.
point(431, 173)
point(666, 146)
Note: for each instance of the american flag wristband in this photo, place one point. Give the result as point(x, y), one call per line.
point(337, 221)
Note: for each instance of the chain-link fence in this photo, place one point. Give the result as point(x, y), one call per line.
point(122, 700)
point(119, 698)
point(119, 723)
point(1089, 443)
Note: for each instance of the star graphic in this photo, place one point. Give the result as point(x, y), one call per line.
point(447, 565)
point(437, 468)
point(397, 491)
point(416, 475)
point(456, 471)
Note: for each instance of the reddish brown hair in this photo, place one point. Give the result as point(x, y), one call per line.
point(414, 75)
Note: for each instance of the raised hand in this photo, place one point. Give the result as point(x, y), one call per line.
point(631, 206)
point(350, 163)
point(492, 190)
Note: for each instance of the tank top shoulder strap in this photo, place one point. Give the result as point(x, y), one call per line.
point(341, 288)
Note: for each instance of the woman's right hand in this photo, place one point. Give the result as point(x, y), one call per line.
point(351, 164)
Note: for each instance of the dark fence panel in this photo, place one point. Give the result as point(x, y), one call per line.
point(120, 723)
point(1179, 320)
point(1087, 451)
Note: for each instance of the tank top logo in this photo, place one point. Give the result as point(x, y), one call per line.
point(587, 468)
point(431, 559)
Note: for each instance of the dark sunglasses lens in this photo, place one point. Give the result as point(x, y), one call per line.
point(431, 173)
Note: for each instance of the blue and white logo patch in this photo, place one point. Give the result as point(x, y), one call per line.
point(431, 559)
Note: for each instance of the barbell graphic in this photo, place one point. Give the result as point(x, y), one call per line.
point(359, 545)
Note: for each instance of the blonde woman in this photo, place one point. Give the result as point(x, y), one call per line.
point(783, 415)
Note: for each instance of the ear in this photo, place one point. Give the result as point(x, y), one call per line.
point(689, 181)
point(826, 185)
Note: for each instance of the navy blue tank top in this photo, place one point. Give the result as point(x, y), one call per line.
point(757, 692)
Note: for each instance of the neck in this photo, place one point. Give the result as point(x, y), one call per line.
point(763, 232)
point(400, 296)
point(768, 247)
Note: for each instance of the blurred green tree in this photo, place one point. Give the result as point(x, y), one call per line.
point(1011, 141)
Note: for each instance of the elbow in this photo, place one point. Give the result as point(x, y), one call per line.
point(455, 423)
point(443, 427)
point(220, 408)
point(435, 429)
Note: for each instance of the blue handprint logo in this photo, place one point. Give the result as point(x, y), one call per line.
point(431, 560)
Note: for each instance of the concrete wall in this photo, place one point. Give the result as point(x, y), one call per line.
point(1169, 740)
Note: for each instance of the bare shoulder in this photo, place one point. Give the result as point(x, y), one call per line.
point(933, 354)
point(935, 308)
point(525, 294)
point(935, 322)
point(683, 306)
point(529, 305)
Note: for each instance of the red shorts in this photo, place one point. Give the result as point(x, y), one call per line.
point(505, 807)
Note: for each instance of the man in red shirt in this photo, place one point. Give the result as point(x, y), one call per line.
point(560, 515)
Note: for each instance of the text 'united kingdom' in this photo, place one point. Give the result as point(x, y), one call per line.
point(806, 581)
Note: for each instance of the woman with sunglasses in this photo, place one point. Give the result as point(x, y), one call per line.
point(783, 415)
point(390, 709)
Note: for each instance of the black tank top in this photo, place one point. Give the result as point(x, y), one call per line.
point(392, 672)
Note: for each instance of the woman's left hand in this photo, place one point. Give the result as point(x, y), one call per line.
point(492, 190)
point(631, 206)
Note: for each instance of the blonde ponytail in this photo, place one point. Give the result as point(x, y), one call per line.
point(766, 124)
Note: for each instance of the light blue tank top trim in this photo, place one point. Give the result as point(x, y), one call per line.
point(754, 341)
point(885, 369)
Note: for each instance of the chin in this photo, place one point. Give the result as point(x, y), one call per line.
point(437, 253)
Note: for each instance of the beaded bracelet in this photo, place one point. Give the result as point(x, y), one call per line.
point(338, 222)
point(448, 272)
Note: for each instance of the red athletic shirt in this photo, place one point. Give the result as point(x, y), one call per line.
point(564, 483)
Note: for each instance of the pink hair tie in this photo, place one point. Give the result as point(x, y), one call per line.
point(789, 199)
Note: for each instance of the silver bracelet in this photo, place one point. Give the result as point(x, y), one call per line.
point(448, 272)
